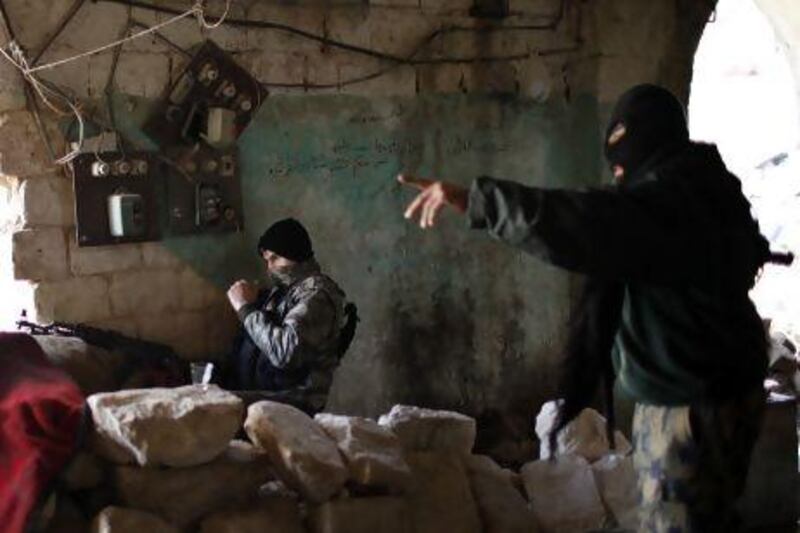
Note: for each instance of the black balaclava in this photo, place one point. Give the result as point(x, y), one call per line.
point(655, 122)
point(287, 238)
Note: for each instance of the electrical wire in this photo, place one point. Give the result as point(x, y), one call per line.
point(377, 54)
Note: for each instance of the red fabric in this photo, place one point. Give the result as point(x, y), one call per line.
point(40, 417)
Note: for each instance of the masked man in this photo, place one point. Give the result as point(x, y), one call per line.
point(670, 252)
point(294, 334)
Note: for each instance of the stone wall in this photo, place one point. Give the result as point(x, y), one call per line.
point(449, 319)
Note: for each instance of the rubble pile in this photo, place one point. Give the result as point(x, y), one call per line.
point(194, 459)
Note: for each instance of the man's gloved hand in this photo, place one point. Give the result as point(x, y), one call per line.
point(241, 293)
point(433, 197)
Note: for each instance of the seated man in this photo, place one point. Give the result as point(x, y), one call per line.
point(293, 334)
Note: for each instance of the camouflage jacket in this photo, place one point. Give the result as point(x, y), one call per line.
point(291, 336)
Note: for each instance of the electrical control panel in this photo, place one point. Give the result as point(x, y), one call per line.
point(211, 101)
point(203, 191)
point(116, 198)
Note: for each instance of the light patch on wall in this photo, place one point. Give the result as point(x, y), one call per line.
point(743, 98)
point(14, 295)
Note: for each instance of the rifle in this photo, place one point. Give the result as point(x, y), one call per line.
point(161, 362)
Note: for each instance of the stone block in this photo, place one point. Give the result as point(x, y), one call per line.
point(183, 426)
point(47, 201)
point(12, 88)
point(74, 300)
point(143, 74)
point(85, 471)
point(441, 499)
point(399, 34)
point(502, 506)
point(421, 429)
point(563, 495)
point(306, 18)
point(198, 292)
point(373, 453)
point(185, 495)
point(535, 79)
point(446, 6)
point(274, 514)
point(92, 368)
point(395, 3)
point(87, 260)
point(156, 255)
point(361, 515)
point(44, 16)
point(146, 291)
point(39, 254)
point(96, 24)
point(121, 520)
point(282, 68)
point(444, 78)
point(584, 436)
point(616, 481)
point(400, 81)
point(305, 457)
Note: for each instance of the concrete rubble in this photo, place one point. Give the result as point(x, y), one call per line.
point(184, 426)
point(411, 472)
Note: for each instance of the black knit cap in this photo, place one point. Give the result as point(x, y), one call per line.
point(287, 238)
point(654, 120)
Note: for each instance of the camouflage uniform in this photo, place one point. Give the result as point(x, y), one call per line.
point(290, 345)
point(691, 463)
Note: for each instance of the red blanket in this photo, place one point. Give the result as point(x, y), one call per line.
point(41, 412)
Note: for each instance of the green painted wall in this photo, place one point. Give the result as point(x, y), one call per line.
point(450, 318)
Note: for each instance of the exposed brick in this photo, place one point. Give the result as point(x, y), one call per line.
point(12, 89)
point(309, 19)
point(401, 81)
point(395, 3)
point(41, 18)
point(99, 259)
point(197, 292)
point(491, 78)
point(72, 76)
point(448, 78)
point(96, 24)
point(73, 300)
point(143, 74)
point(539, 9)
point(22, 152)
point(47, 201)
point(146, 292)
point(156, 255)
point(535, 79)
point(446, 6)
point(397, 33)
point(39, 254)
